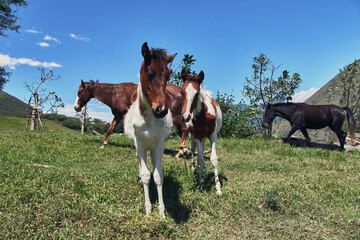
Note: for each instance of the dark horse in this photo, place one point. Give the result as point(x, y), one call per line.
point(302, 116)
point(119, 98)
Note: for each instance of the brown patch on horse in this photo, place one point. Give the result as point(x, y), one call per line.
point(204, 123)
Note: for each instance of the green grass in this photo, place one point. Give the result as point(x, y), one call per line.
point(270, 190)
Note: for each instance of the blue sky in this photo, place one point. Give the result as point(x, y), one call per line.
point(85, 39)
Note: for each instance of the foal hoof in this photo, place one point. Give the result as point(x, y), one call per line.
point(103, 146)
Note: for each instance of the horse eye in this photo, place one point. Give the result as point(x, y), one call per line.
point(182, 93)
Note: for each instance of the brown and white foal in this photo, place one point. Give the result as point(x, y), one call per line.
point(204, 119)
point(148, 122)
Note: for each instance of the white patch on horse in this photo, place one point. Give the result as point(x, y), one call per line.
point(190, 94)
point(76, 105)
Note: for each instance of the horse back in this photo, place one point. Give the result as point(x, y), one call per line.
point(320, 116)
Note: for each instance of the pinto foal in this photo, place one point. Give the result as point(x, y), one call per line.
point(148, 122)
point(204, 120)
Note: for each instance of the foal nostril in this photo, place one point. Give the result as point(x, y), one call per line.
point(160, 112)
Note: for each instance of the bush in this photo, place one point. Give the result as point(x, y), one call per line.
point(238, 120)
point(72, 123)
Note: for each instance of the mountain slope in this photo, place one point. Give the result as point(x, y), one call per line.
point(10, 105)
point(320, 97)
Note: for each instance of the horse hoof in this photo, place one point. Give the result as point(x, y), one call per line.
point(219, 192)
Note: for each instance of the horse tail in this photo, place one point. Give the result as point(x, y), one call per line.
point(351, 123)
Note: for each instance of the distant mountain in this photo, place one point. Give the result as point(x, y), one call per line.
point(10, 105)
point(318, 98)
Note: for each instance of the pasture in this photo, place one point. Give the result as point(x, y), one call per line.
point(270, 190)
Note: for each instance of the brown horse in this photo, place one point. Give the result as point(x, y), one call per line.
point(148, 122)
point(119, 98)
point(204, 119)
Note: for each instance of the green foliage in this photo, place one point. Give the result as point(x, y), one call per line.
point(238, 121)
point(348, 87)
point(186, 63)
point(262, 88)
point(4, 77)
point(8, 16)
point(72, 123)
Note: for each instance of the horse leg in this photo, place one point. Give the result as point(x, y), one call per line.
point(156, 158)
point(144, 173)
point(342, 137)
point(214, 161)
point(291, 132)
point(192, 148)
point(113, 125)
point(306, 135)
point(200, 158)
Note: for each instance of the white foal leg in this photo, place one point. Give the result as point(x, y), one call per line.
point(193, 149)
point(156, 159)
point(144, 174)
point(214, 161)
point(200, 158)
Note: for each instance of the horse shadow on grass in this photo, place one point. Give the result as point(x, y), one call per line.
point(298, 142)
point(171, 189)
point(99, 142)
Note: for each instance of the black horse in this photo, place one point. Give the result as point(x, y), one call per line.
point(302, 116)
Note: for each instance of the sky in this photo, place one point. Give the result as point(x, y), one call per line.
point(101, 40)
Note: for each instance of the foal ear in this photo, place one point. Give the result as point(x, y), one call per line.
point(200, 77)
point(170, 58)
point(184, 75)
point(82, 83)
point(146, 54)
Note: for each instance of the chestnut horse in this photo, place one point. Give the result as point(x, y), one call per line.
point(302, 116)
point(204, 119)
point(148, 122)
point(118, 98)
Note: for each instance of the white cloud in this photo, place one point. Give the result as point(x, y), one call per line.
point(48, 38)
point(303, 95)
point(32, 31)
point(6, 60)
point(42, 44)
point(68, 110)
point(80, 37)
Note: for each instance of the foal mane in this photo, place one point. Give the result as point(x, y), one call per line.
point(158, 53)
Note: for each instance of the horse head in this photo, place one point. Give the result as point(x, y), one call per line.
point(269, 116)
point(154, 74)
point(190, 93)
point(84, 95)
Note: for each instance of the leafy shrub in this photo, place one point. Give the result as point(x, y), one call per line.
point(238, 120)
point(72, 123)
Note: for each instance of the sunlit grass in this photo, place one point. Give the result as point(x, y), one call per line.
point(270, 190)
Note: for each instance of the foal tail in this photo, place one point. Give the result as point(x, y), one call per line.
point(351, 123)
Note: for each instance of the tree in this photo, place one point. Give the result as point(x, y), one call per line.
point(4, 77)
point(186, 63)
point(348, 87)
point(41, 96)
point(8, 16)
point(262, 88)
point(8, 20)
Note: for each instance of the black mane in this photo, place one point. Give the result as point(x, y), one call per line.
point(158, 53)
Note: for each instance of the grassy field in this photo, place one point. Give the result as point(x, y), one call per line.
point(270, 190)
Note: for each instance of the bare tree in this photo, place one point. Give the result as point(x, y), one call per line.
point(41, 96)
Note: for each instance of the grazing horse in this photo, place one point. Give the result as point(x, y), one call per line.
point(302, 116)
point(119, 98)
point(116, 96)
point(148, 122)
point(204, 119)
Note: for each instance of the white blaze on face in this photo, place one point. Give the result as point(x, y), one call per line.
point(76, 105)
point(190, 94)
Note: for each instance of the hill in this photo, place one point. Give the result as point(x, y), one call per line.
point(318, 98)
point(10, 105)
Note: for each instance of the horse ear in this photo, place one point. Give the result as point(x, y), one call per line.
point(201, 76)
point(184, 75)
point(170, 58)
point(146, 54)
point(82, 83)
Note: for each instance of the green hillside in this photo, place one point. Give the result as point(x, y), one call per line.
point(19, 124)
point(10, 105)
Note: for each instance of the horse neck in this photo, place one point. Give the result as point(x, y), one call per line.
point(284, 111)
point(103, 93)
